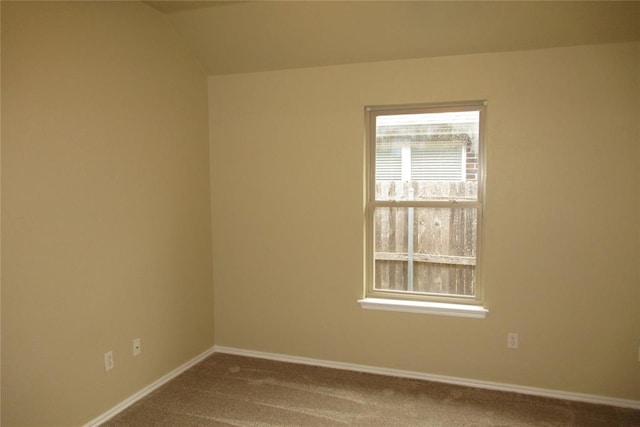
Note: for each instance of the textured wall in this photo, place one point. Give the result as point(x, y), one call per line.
point(561, 246)
point(106, 231)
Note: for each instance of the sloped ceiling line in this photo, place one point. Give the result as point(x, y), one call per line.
point(249, 36)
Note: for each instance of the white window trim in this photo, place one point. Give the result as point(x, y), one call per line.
point(424, 307)
point(373, 300)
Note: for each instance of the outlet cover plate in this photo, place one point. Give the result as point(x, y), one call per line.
point(137, 348)
point(108, 361)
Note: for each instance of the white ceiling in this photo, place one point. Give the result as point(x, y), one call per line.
point(248, 36)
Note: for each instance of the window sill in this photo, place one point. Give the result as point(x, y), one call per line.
point(438, 308)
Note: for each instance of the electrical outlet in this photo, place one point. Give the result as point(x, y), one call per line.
point(512, 340)
point(137, 348)
point(108, 361)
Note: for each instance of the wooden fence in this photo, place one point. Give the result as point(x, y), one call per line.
point(443, 243)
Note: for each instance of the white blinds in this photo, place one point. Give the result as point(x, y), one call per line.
point(434, 161)
point(388, 163)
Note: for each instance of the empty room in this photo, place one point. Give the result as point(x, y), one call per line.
point(320, 213)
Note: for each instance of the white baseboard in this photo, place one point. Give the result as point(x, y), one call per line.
point(148, 389)
point(556, 394)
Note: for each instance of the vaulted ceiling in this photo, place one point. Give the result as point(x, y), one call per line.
point(248, 36)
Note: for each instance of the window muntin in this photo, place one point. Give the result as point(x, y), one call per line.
point(425, 198)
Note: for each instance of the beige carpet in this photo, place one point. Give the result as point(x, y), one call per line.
point(226, 390)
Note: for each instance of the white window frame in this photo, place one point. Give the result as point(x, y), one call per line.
point(442, 304)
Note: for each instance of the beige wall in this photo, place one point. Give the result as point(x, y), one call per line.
point(562, 241)
point(106, 230)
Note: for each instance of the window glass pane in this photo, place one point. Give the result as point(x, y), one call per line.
point(425, 250)
point(428, 156)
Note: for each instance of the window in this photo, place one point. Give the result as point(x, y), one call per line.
point(424, 205)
